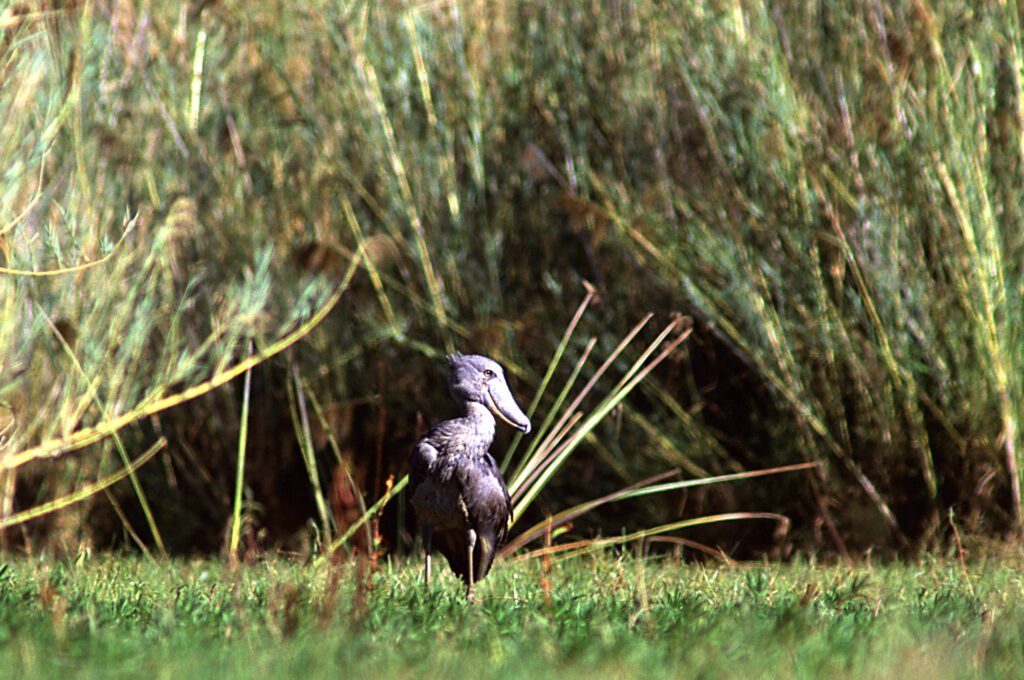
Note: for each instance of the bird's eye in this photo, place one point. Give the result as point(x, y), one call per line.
point(488, 373)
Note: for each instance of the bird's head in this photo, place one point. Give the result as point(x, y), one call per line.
point(478, 379)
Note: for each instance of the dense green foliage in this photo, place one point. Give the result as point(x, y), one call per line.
point(830, 190)
point(114, 618)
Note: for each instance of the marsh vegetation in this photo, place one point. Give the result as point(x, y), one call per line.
point(238, 239)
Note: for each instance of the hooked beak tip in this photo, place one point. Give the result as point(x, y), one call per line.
point(506, 409)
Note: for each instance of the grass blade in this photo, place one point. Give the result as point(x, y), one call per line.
point(647, 487)
point(243, 439)
point(634, 375)
point(577, 548)
point(300, 417)
point(556, 358)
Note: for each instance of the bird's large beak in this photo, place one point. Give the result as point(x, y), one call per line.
point(504, 406)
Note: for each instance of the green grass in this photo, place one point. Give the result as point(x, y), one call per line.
point(126, 617)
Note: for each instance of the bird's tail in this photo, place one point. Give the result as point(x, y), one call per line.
point(453, 546)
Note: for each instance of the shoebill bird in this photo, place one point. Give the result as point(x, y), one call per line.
point(458, 493)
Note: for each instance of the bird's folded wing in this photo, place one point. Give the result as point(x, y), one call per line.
point(423, 454)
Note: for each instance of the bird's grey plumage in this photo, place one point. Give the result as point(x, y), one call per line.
point(457, 490)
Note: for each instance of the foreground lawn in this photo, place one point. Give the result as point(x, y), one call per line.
point(124, 617)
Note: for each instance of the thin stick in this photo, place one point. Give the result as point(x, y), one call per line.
point(308, 457)
point(390, 492)
point(243, 439)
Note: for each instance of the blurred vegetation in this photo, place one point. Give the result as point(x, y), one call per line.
point(831, 190)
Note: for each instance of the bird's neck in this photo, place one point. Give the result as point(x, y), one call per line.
point(481, 423)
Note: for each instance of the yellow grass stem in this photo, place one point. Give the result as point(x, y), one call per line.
point(444, 160)
point(376, 100)
point(83, 492)
point(646, 488)
point(546, 447)
point(338, 458)
point(556, 358)
point(197, 81)
point(987, 274)
point(60, 271)
point(90, 435)
point(371, 266)
point(544, 438)
point(640, 369)
point(92, 396)
point(904, 382)
point(577, 548)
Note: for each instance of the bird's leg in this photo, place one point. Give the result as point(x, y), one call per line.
point(428, 533)
point(470, 545)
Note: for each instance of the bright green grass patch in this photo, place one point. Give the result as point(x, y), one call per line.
point(117, 617)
